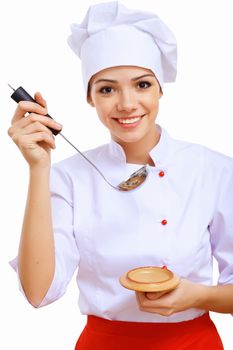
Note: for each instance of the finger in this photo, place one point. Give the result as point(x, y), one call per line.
point(39, 99)
point(27, 106)
point(31, 141)
point(45, 138)
point(160, 311)
point(46, 121)
point(147, 306)
point(137, 298)
point(154, 295)
point(142, 300)
point(148, 303)
point(34, 128)
point(22, 125)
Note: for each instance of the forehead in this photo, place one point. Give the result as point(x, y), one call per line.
point(119, 72)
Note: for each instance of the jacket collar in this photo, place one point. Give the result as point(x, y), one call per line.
point(159, 153)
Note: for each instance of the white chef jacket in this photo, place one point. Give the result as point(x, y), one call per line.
point(180, 217)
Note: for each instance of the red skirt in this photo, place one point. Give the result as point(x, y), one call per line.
point(102, 334)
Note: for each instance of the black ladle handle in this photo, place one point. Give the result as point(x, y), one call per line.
point(22, 95)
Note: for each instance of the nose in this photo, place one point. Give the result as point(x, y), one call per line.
point(126, 101)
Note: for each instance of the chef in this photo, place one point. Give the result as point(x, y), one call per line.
point(181, 217)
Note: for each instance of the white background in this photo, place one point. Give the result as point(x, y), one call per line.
point(34, 54)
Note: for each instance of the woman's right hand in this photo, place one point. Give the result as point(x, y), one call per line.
point(31, 133)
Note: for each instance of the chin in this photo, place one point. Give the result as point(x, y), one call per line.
point(128, 138)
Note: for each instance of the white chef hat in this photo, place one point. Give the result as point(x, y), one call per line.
point(113, 35)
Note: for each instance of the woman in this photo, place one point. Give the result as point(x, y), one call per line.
point(181, 217)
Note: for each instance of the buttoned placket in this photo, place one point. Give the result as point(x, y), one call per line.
point(161, 175)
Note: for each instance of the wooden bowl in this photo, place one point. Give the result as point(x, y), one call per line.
point(150, 279)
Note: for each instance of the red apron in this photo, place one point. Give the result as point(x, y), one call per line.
point(102, 334)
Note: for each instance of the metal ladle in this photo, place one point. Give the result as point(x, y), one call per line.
point(134, 181)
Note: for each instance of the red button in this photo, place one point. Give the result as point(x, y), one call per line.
point(161, 173)
point(164, 222)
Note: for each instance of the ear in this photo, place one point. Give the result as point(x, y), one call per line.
point(89, 100)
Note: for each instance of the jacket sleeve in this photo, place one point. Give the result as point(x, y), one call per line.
point(221, 228)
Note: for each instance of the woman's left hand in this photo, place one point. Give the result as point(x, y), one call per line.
point(185, 296)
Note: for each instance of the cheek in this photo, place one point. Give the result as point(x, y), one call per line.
point(104, 109)
point(151, 100)
point(102, 114)
point(152, 104)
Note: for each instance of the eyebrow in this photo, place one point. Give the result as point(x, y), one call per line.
point(115, 81)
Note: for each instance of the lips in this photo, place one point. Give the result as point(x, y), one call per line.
point(130, 121)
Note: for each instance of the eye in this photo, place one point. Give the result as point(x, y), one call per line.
point(144, 84)
point(106, 90)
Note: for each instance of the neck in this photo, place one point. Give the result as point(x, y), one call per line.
point(138, 152)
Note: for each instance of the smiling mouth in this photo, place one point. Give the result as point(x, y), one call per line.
point(134, 120)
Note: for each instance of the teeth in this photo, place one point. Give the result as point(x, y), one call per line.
point(129, 121)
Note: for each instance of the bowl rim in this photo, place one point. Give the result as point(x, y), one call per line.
point(168, 272)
